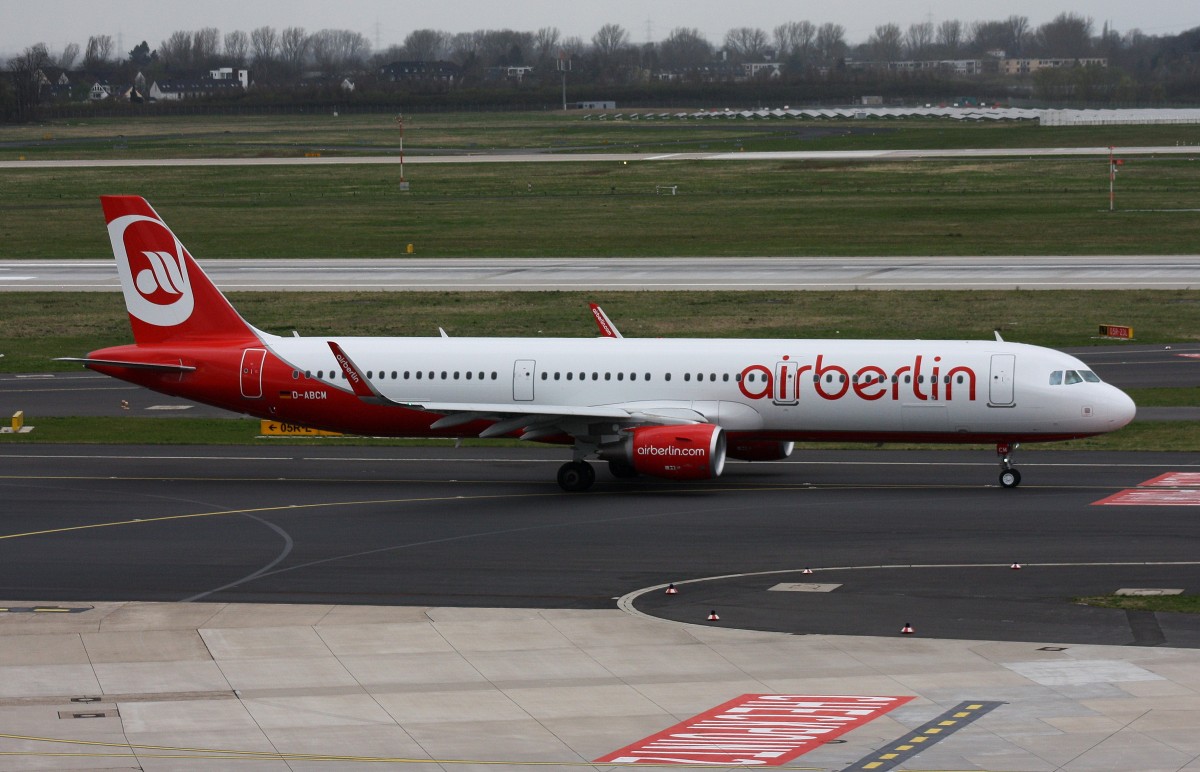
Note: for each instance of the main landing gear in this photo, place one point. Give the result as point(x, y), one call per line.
point(1009, 476)
point(576, 476)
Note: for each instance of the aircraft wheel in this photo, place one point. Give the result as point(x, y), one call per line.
point(575, 476)
point(622, 469)
point(1010, 478)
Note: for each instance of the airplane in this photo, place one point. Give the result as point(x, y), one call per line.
point(666, 408)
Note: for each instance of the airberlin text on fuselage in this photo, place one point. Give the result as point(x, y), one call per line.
point(928, 380)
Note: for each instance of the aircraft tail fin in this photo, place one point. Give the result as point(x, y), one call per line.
point(168, 296)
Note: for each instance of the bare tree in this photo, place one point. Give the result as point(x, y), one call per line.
point(918, 40)
point(337, 51)
point(950, 36)
point(175, 52)
point(1067, 35)
point(26, 77)
point(293, 49)
point(1019, 33)
point(546, 44)
point(464, 48)
point(685, 48)
point(746, 43)
point(66, 60)
point(99, 52)
point(206, 46)
point(992, 36)
point(264, 41)
point(237, 48)
point(610, 40)
point(610, 50)
point(830, 43)
point(885, 43)
point(794, 40)
point(425, 45)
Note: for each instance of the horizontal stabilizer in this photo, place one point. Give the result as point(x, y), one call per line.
point(165, 368)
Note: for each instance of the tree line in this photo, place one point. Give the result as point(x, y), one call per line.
point(1141, 65)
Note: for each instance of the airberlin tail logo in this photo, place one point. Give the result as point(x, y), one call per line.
point(153, 270)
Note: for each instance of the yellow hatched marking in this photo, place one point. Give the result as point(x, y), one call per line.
point(947, 723)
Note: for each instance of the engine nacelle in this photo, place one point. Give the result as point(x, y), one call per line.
point(691, 452)
point(760, 450)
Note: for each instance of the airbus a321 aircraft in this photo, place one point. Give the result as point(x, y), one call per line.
point(667, 408)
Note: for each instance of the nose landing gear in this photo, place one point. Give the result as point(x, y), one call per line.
point(1009, 476)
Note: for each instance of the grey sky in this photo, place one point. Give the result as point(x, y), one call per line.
point(23, 23)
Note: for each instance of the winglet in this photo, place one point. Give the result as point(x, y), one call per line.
point(358, 382)
point(607, 328)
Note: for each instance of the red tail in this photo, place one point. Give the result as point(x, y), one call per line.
point(168, 297)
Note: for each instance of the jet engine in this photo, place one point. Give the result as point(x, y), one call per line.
point(690, 452)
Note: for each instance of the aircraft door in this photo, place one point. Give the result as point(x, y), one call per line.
point(252, 372)
point(787, 389)
point(1000, 386)
point(523, 379)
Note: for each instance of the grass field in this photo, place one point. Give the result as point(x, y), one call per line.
point(983, 207)
point(285, 135)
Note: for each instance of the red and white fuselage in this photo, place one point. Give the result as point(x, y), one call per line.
point(647, 405)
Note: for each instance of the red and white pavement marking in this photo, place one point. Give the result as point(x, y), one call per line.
point(1173, 480)
point(756, 730)
point(1172, 489)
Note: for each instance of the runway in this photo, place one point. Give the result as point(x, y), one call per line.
point(601, 274)
point(489, 528)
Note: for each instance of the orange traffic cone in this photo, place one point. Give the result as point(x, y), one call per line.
point(712, 616)
point(1015, 566)
point(806, 571)
point(907, 629)
point(671, 590)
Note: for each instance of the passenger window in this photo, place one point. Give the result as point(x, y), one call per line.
point(687, 376)
point(1089, 376)
point(667, 377)
point(545, 375)
point(1072, 377)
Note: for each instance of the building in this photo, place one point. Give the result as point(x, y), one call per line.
point(446, 73)
point(230, 73)
point(762, 69)
point(1026, 66)
point(178, 90)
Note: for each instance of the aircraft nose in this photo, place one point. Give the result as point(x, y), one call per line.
point(1120, 409)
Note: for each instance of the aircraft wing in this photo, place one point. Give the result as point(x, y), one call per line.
point(534, 420)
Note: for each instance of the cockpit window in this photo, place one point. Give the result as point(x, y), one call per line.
point(1089, 376)
point(1072, 377)
point(1056, 378)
